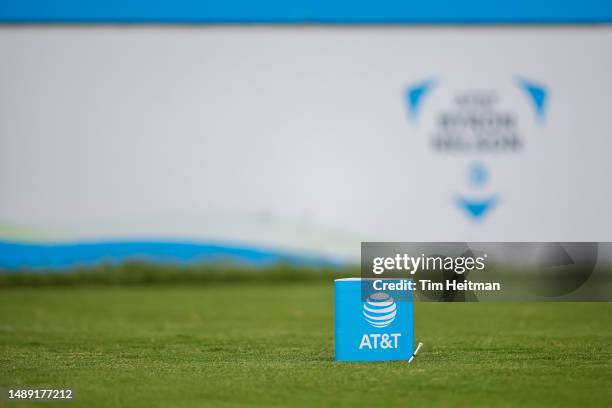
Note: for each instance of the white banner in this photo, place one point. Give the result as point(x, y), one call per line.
point(305, 140)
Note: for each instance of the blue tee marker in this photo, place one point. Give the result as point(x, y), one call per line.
point(378, 327)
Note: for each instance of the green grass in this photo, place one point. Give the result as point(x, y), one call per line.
point(135, 273)
point(272, 344)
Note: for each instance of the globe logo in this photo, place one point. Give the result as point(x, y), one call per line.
point(379, 310)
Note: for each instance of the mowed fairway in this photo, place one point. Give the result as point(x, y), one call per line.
point(240, 345)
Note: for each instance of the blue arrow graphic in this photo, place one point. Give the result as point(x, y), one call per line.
point(537, 94)
point(415, 94)
point(476, 208)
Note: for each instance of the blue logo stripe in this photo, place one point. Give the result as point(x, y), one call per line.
point(306, 11)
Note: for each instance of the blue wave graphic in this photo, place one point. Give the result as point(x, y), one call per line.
point(42, 256)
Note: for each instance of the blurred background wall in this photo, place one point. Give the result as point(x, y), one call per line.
point(261, 131)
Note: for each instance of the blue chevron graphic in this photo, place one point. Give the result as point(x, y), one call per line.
point(476, 208)
point(415, 94)
point(538, 95)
